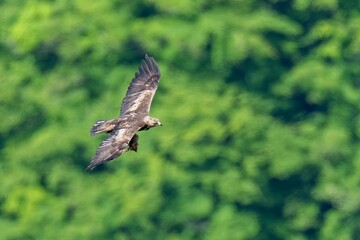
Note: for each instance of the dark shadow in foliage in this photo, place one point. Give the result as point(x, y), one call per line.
point(296, 185)
point(133, 52)
point(144, 10)
point(35, 119)
point(297, 108)
point(46, 58)
point(256, 76)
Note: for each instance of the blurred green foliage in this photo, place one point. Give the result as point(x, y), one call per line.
point(259, 101)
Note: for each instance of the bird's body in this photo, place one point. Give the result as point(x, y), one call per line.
point(134, 116)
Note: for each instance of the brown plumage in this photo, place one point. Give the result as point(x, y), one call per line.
point(134, 116)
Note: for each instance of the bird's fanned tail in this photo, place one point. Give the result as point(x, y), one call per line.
point(103, 126)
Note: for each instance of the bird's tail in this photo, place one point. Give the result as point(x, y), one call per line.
point(103, 126)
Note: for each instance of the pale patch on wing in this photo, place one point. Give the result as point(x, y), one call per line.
point(139, 101)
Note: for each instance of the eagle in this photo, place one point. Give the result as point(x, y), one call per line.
point(134, 116)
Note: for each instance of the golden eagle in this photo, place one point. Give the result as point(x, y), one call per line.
point(134, 115)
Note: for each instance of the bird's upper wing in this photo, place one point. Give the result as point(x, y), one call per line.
point(142, 89)
point(113, 146)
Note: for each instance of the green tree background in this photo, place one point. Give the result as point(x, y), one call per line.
point(259, 102)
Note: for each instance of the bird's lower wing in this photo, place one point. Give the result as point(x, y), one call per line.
point(112, 147)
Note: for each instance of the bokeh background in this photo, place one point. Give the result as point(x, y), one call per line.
point(259, 102)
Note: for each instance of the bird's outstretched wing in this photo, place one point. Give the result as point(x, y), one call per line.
point(113, 146)
point(142, 89)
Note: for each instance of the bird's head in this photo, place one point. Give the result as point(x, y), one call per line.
point(153, 122)
point(157, 122)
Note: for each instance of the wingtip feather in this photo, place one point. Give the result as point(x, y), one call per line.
point(145, 67)
point(150, 64)
point(89, 168)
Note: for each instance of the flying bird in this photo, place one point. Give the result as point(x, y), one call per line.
point(134, 116)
